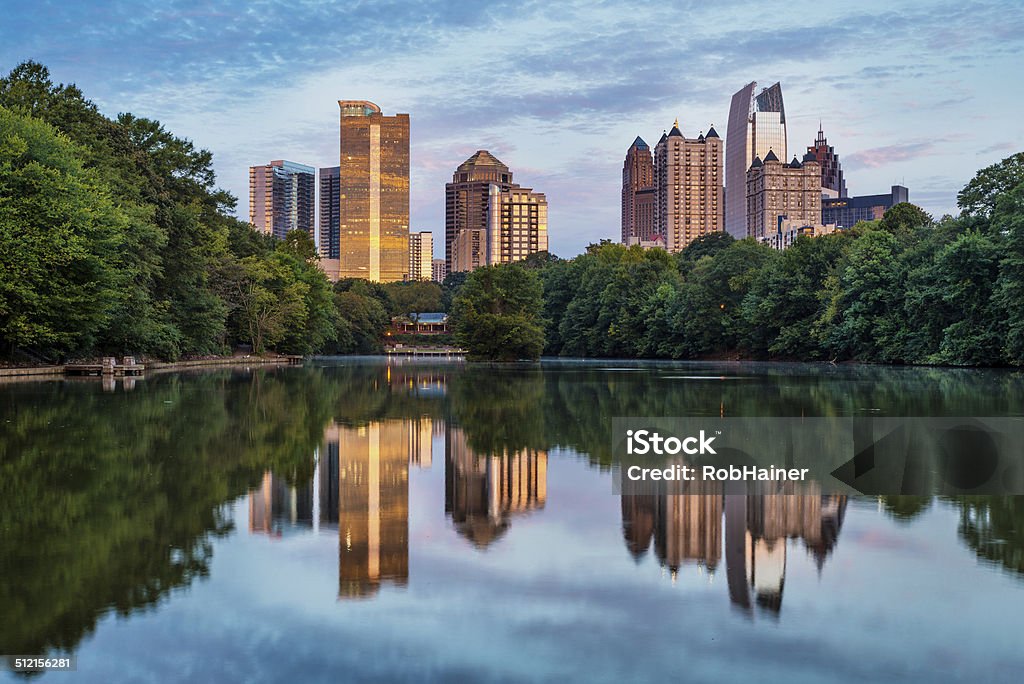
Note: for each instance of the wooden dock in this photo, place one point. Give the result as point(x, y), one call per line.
point(425, 351)
point(109, 367)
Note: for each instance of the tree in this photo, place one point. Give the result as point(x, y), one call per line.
point(863, 296)
point(59, 229)
point(980, 196)
point(365, 322)
point(903, 218)
point(496, 314)
point(706, 245)
point(450, 287)
point(781, 311)
point(1008, 219)
point(415, 297)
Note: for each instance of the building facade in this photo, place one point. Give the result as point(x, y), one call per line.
point(467, 197)
point(374, 193)
point(688, 187)
point(845, 212)
point(282, 198)
point(330, 213)
point(638, 207)
point(757, 125)
point(489, 219)
point(439, 270)
point(469, 251)
point(421, 256)
point(833, 184)
point(782, 196)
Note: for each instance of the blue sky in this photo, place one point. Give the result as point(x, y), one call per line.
point(923, 93)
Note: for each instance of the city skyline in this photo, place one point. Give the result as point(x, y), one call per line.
point(219, 79)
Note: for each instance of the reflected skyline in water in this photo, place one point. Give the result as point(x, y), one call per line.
point(478, 500)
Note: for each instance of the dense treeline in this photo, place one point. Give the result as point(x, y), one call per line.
point(903, 289)
point(115, 240)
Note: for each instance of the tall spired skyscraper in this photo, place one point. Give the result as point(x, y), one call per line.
point(757, 125)
point(832, 182)
point(638, 208)
point(374, 193)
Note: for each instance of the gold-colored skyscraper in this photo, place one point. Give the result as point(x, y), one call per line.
point(374, 189)
point(373, 507)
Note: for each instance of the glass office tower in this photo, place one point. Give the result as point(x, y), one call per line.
point(757, 125)
point(374, 193)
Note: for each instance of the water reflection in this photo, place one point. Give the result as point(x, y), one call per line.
point(483, 492)
point(121, 499)
point(687, 528)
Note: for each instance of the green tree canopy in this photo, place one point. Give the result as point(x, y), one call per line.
point(496, 314)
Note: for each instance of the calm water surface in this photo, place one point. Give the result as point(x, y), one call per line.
point(358, 521)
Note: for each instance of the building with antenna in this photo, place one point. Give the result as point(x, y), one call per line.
point(833, 184)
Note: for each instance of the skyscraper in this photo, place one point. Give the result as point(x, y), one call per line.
point(440, 270)
point(330, 212)
point(510, 221)
point(282, 198)
point(638, 209)
point(757, 125)
point(374, 193)
point(421, 255)
point(832, 182)
point(688, 187)
point(781, 196)
point(469, 250)
point(468, 195)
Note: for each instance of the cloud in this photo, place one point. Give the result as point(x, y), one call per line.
point(889, 154)
point(557, 91)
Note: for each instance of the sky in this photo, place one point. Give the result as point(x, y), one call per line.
point(919, 93)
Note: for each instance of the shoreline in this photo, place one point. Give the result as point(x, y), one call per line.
point(28, 373)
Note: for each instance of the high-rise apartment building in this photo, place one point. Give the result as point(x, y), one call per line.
point(638, 207)
point(845, 212)
point(421, 256)
point(781, 196)
point(757, 125)
point(469, 250)
point(439, 271)
point(467, 197)
point(330, 212)
point(832, 182)
point(688, 187)
point(282, 198)
point(503, 221)
point(374, 193)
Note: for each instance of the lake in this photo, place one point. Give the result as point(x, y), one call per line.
point(359, 519)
